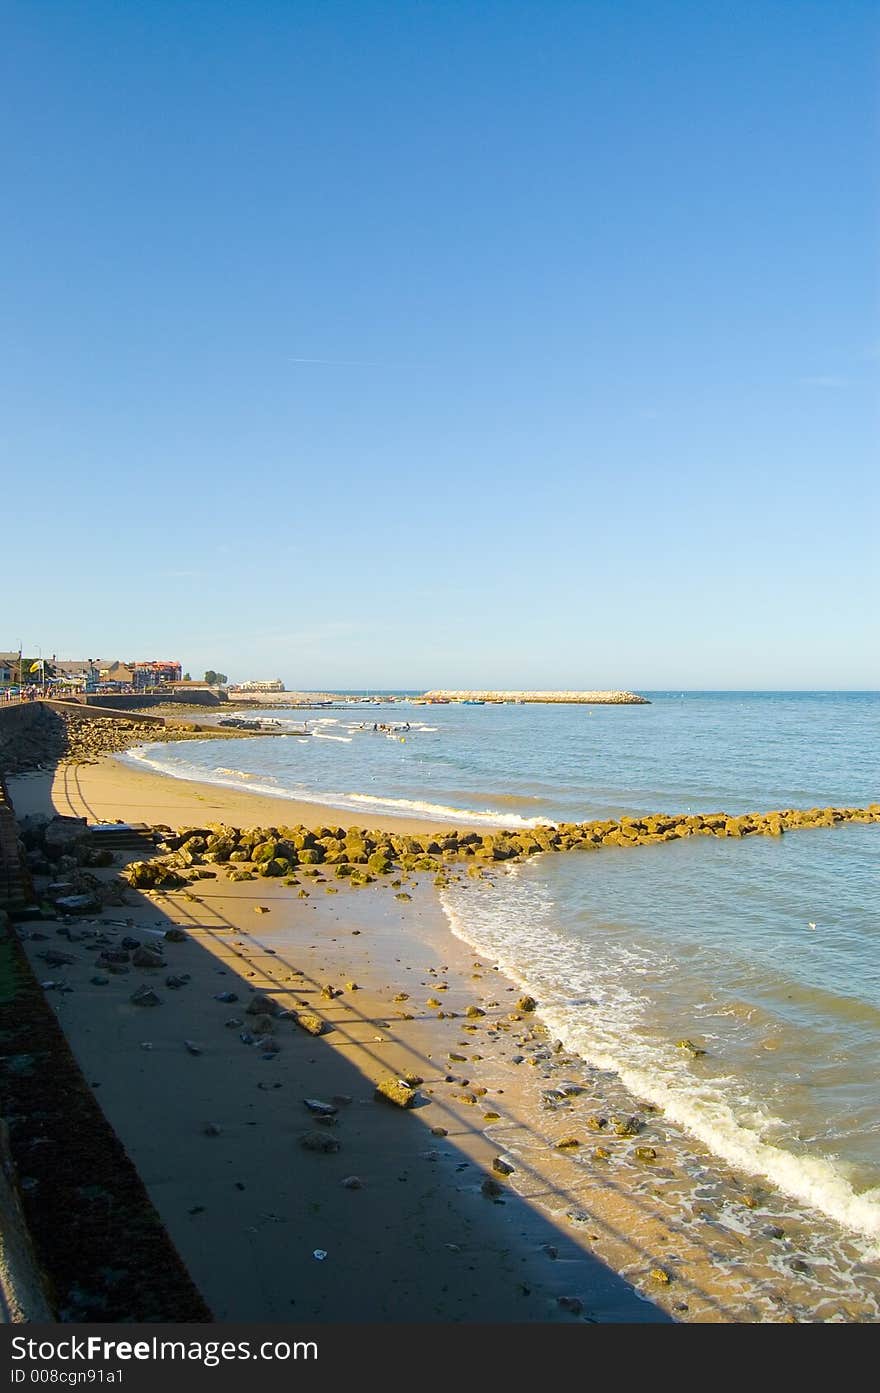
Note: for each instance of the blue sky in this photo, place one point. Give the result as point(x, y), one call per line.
point(410, 344)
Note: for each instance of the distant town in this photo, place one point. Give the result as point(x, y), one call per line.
point(23, 675)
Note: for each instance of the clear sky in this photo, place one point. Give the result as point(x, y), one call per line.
point(530, 343)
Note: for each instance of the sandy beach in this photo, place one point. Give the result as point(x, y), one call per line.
point(462, 1208)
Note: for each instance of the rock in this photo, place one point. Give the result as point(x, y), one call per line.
point(773, 1231)
point(352, 1182)
point(147, 957)
point(175, 983)
point(308, 1021)
point(227, 997)
point(192, 1048)
point(660, 1276)
point(397, 1091)
point(319, 1141)
point(502, 1167)
point(78, 904)
point(211, 1129)
point(261, 909)
point(320, 1109)
point(439, 1132)
point(145, 996)
point(474, 1011)
point(175, 935)
point(99, 981)
point(601, 1153)
point(645, 1153)
point(568, 1143)
point(526, 1003)
point(570, 1303)
point(259, 1005)
point(55, 959)
point(627, 1126)
point(690, 1048)
point(491, 1189)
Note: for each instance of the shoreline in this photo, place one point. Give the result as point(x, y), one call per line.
point(590, 1204)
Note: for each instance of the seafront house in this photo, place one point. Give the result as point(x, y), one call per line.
point(9, 670)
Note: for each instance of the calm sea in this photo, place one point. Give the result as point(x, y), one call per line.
point(763, 952)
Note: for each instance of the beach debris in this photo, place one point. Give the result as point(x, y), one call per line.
point(328, 991)
point(491, 1188)
point(396, 1091)
point(175, 935)
point(352, 987)
point(352, 1182)
point(148, 958)
point(319, 1141)
point(645, 1153)
point(192, 1048)
point(211, 1129)
point(695, 1051)
point(309, 1022)
point(261, 909)
point(526, 1003)
point(319, 1254)
point(502, 1166)
point(145, 996)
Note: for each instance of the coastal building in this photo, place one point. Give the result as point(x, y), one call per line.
point(9, 669)
point(273, 686)
point(155, 673)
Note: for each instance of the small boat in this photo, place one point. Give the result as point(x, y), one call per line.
point(473, 703)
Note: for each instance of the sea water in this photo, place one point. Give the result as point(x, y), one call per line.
point(761, 952)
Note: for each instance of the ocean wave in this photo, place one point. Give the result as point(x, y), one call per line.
point(342, 739)
point(400, 807)
point(735, 1128)
point(440, 810)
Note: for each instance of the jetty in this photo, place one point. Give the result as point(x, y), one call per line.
point(550, 698)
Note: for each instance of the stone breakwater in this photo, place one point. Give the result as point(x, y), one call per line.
point(549, 698)
point(361, 856)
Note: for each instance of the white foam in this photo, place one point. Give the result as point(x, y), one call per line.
point(440, 810)
point(518, 928)
point(342, 739)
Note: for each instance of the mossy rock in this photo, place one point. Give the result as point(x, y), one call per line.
point(239, 856)
point(311, 856)
point(379, 863)
point(264, 851)
point(396, 1091)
